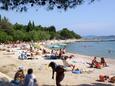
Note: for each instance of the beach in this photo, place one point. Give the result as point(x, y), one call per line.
point(9, 64)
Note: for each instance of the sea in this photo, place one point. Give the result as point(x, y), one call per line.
point(99, 49)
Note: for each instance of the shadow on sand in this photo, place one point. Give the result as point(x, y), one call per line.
point(93, 84)
point(4, 82)
point(96, 84)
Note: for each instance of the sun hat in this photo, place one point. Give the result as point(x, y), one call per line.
point(21, 67)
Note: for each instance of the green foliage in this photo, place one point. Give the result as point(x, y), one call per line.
point(66, 34)
point(4, 37)
point(39, 35)
point(9, 32)
point(22, 5)
point(30, 26)
point(18, 35)
point(18, 26)
point(51, 29)
point(6, 26)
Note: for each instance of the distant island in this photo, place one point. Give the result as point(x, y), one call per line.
point(99, 38)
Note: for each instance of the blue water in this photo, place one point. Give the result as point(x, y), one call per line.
point(101, 49)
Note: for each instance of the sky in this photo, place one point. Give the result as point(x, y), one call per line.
point(97, 18)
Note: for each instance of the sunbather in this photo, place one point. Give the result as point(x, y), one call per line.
point(103, 63)
point(66, 63)
point(94, 62)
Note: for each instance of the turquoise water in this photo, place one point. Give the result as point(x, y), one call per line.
point(101, 49)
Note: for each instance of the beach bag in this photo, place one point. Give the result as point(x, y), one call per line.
point(77, 71)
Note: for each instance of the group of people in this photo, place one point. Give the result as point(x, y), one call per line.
point(56, 54)
point(96, 64)
point(20, 79)
point(59, 69)
point(24, 80)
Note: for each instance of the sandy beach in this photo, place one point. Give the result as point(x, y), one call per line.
point(9, 64)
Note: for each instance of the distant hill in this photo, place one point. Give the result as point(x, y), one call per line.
point(89, 36)
point(102, 38)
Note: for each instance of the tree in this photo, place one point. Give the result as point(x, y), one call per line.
point(29, 27)
point(4, 37)
point(67, 34)
point(18, 27)
point(10, 32)
point(33, 25)
point(39, 35)
point(50, 4)
point(75, 35)
point(18, 35)
point(0, 18)
point(6, 26)
point(51, 29)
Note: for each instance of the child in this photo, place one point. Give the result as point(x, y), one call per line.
point(30, 79)
point(19, 77)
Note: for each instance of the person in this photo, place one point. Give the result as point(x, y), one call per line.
point(44, 51)
point(112, 79)
point(19, 77)
point(60, 54)
point(66, 63)
point(103, 78)
point(59, 69)
point(103, 63)
point(64, 50)
point(94, 62)
point(30, 79)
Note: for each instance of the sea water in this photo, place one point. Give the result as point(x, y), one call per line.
point(100, 49)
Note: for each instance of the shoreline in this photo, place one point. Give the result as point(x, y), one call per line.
point(64, 42)
point(77, 40)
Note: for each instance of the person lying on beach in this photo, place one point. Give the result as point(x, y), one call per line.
point(112, 79)
point(103, 78)
point(66, 63)
point(103, 63)
point(59, 69)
